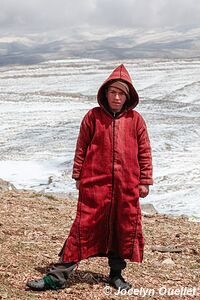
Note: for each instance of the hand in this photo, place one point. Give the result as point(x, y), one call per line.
point(143, 190)
point(77, 184)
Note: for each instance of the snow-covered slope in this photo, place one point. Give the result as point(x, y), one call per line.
point(41, 107)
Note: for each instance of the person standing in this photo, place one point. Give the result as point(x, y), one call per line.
point(113, 169)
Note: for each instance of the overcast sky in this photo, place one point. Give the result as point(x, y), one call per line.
point(33, 16)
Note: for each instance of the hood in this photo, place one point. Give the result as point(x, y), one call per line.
point(119, 73)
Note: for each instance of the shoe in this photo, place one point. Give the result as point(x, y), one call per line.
point(37, 285)
point(119, 283)
point(46, 283)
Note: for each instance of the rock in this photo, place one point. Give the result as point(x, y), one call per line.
point(148, 209)
point(168, 261)
point(194, 251)
point(50, 179)
point(6, 186)
point(165, 249)
point(194, 219)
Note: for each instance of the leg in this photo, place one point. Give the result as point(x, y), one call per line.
point(117, 264)
point(55, 279)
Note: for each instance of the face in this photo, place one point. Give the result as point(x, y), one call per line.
point(116, 99)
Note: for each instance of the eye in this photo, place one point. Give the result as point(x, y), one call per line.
point(112, 92)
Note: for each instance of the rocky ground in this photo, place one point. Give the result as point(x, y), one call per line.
point(34, 226)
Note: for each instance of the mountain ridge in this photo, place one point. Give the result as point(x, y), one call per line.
point(129, 44)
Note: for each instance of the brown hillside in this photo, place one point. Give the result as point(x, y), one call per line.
point(33, 228)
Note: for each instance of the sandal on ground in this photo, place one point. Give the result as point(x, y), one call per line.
point(37, 285)
point(119, 283)
point(43, 284)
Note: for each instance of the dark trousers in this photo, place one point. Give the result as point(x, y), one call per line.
point(60, 272)
point(115, 262)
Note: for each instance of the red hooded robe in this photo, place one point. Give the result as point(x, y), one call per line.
point(112, 157)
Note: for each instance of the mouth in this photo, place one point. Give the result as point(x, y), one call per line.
point(117, 103)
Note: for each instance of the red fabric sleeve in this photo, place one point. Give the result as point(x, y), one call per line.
point(144, 153)
point(83, 141)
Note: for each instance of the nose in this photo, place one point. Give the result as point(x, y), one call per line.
point(117, 96)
